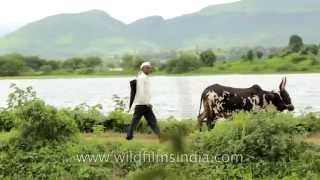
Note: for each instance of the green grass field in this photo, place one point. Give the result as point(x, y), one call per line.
point(289, 64)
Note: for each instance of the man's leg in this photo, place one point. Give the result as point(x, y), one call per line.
point(152, 121)
point(138, 112)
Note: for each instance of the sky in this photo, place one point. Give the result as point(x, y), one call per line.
point(15, 13)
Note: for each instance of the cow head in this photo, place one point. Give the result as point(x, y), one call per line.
point(281, 99)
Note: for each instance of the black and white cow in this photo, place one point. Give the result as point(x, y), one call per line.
point(221, 101)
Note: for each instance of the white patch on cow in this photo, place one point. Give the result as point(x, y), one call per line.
point(212, 98)
point(244, 101)
point(256, 100)
point(225, 93)
point(215, 101)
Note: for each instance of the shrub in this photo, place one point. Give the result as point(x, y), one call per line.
point(19, 96)
point(186, 127)
point(184, 63)
point(263, 136)
point(298, 59)
point(119, 121)
point(310, 122)
point(40, 124)
point(256, 69)
point(84, 71)
point(222, 68)
point(314, 61)
point(283, 68)
point(86, 117)
point(208, 58)
point(6, 120)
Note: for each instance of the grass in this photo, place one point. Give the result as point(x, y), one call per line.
point(287, 64)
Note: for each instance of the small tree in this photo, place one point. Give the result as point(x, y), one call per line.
point(46, 68)
point(259, 54)
point(11, 67)
point(73, 64)
point(250, 55)
point(92, 62)
point(295, 43)
point(34, 62)
point(184, 63)
point(208, 58)
point(313, 49)
point(131, 62)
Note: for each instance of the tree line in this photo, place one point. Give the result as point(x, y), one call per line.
point(295, 45)
point(17, 64)
point(181, 62)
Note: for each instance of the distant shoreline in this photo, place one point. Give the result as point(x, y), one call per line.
point(191, 74)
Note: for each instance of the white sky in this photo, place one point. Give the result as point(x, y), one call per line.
point(18, 12)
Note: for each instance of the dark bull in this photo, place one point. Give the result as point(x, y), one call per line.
point(221, 101)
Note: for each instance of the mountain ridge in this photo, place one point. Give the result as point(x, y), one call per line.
point(95, 32)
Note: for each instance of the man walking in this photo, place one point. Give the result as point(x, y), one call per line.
point(142, 102)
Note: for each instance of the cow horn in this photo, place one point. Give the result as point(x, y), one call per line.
point(281, 84)
point(285, 82)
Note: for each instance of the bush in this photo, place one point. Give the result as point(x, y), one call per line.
point(10, 66)
point(119, 121)
point(52, 162)
point(310, 122)
point(184, 63)
point(40, 124)
point(283, 68)
point(86, 117)
point(298, 59)
point(84, 71)
point(208, 58)
point(186, 127)
point(7, 119)
point(46, 68)
point(314, 62)
point(263, 136)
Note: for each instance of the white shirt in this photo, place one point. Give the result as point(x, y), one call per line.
point(143, 94)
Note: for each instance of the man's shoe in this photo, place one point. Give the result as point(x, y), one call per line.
point(129, 138)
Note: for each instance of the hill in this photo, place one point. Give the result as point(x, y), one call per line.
point(244, 23)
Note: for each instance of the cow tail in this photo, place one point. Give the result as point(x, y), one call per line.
point(200, 105)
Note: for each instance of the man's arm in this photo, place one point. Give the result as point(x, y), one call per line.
point(140, 89)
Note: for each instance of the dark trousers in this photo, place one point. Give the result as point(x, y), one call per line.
point(146, 111)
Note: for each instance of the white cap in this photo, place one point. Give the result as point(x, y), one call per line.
point(145, 64)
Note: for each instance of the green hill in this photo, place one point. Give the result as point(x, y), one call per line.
point(244, 23)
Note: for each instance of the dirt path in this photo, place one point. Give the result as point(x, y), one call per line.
point(314, 138)
point(120, 137)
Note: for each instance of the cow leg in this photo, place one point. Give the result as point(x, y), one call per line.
point(211, 123)
point(201, 118)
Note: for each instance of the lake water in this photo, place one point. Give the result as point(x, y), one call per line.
point(172, 96)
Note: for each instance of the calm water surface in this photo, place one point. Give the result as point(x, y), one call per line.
point(172, 96)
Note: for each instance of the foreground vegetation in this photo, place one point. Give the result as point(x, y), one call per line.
point(40, 141)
